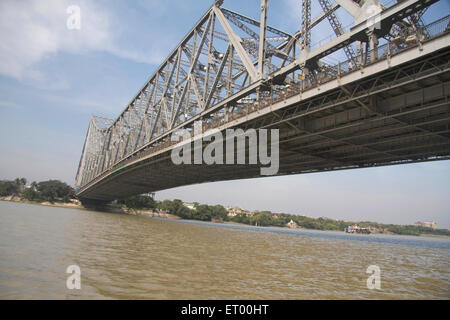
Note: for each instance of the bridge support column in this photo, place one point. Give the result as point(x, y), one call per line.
point(305, 72)
point(359, 53)
point(373, 45)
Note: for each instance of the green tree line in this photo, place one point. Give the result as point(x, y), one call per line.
point(266, 218)
point(51, 190)
point(201, 212)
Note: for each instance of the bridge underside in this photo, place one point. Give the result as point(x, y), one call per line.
point(400, 115)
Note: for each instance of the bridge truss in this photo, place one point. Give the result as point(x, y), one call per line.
point(228, 61)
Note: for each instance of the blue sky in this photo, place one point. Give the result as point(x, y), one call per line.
point(53, 79)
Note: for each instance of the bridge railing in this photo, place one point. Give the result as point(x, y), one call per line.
point(438, 27)
point(389, 49)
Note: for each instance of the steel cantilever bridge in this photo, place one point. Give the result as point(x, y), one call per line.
point(386, 102)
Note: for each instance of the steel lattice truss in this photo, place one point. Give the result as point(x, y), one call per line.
point(223, 64)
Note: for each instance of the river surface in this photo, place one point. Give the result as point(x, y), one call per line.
point(128, 257)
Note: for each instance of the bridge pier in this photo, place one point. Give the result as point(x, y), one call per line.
point(97, 205)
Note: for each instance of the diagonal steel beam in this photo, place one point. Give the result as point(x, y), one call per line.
point(236, 42)
point(191, 69)
point(218, 75)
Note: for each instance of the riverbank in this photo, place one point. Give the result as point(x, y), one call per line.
point(72, 204)
point(116, 208)
point(159, 214)
point(150, 213)
point(166, 215)
point(335, 231)
point(75, 204)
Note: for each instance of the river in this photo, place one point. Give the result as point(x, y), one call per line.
point(128, 257)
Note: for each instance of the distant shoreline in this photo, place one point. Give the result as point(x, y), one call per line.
point(44, 203)
point(75, 204)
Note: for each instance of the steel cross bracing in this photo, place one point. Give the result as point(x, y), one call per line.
point(211, 63)
point(222, 66)
point(337, 27)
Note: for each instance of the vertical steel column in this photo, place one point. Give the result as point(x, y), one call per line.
point(373, 45)
point(359, 53)
point(262, 39)
point(306, 36)
point(306, 22)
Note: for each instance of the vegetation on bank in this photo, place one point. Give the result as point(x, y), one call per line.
point(176, 207)
point(266, 218)
point(57, 191)
point(51, 191)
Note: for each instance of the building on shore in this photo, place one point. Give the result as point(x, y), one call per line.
point(291, 224)
point(428, 224)
point(189, 205)
point(233, 211)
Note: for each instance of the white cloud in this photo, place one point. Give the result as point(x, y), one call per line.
point(32, 30)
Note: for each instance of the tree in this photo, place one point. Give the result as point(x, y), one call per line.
point(241, 218)
point(177, 204)
point(23, 182)
point(185, 213)
point(262, 219)
point(218, 212)
point(165, 205)
point(9, 188)
point(203, 212)
point(30, 194)
point(54, 189)
point(139, 202)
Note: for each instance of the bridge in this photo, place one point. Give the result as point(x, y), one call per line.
point(384, 101)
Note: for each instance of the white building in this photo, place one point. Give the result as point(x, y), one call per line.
point(291, 224)
point(428, 224)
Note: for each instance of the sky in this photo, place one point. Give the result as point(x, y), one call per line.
point(52, 80)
